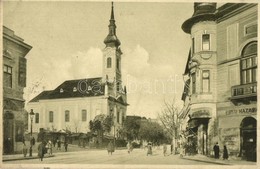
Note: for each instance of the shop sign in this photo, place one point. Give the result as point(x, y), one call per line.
point(241, 111)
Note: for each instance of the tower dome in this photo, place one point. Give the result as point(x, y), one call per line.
point(202, 12)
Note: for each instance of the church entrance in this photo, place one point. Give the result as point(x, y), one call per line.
point(248, 138)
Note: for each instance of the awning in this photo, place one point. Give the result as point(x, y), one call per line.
point(204, 112)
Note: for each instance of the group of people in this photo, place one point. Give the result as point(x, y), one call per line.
point(217, 150)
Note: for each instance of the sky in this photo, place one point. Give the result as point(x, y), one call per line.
point(67, 40)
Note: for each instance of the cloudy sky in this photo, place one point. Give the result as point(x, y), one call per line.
point(67, 39)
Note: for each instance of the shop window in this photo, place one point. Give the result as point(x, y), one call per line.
point(7, 76)
point(205, 81)
point(84, 115)
point(67, 116)
point(51, 116)
point(109, 62)
point(205, 42)
point(249, 64)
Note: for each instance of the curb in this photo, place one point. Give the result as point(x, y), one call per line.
point(205, 161)
point(26, 158)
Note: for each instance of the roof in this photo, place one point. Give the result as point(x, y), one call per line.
point(74, 89)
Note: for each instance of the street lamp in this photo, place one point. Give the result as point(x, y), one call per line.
point(31, 144)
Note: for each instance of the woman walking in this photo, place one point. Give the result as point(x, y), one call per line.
point(24, 149)
point(164, 149)
point(110, 148)
point(225, 153)
point(149, 147)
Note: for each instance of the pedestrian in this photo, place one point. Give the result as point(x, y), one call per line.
point(59, 145)
point(41, 150)
point(149, 148)
point(24, 149)
point(164, 149)
point(66, 146)
point(49, 146)
point(216, 150)
point(110, 147)
point(225, 153)
point(129, 147)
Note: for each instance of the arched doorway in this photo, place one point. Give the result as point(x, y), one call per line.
point(248, 138)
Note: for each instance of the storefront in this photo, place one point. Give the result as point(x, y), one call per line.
point(237, 130)
point(198, 129)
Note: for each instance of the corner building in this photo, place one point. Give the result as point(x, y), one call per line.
point(220, 93)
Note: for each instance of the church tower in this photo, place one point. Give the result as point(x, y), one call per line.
point(112, 56)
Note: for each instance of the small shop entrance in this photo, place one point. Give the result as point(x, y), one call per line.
point(248, 138)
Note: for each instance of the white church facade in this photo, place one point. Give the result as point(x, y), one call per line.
point(74, 103)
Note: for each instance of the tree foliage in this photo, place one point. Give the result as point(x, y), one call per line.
point(131, 127)
point(101, 124)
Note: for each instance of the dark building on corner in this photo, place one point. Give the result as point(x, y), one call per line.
point(14, 81)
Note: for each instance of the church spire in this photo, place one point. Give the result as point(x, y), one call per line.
point(111, 39)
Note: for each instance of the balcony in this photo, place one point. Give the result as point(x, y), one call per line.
point(244, 93)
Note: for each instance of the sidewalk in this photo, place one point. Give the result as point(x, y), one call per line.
point(14, 157)
point(230, 161)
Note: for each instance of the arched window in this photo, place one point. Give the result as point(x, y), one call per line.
point(249, 63)
point(109, 62)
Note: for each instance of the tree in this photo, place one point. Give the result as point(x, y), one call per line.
point(131, 127)
point(152, 131)
point(100, 125)
point(168, 117)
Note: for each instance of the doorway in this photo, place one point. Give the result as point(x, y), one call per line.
point(248, 138)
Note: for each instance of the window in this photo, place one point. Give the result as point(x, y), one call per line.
point(67, 116)
point(84, 115)
point(51, 116)
point(205, 81)
point(193, 81)
point(193, 46)
point(205, 42)
point(7, 76)
point(252, 28)
point(249, 64)
point(109, 62)
point(118, 64)
point(37, 118)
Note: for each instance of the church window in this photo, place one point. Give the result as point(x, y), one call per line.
point(67, 116)
point(193, 46)
point(205, 42)
point(84, 115)
point(109, 62)
point(37, 118)
point(51, 116)
point(249, 64)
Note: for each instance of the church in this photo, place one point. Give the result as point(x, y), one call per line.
point(72, 104)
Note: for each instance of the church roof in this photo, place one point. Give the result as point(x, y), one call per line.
point(74, 89)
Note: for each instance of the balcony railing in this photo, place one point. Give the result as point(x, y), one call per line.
point(244, 91)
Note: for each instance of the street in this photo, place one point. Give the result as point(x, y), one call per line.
point(138, 156)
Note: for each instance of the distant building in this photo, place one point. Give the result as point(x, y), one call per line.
point(74, 103)
point(14, 81)
point(220, 92)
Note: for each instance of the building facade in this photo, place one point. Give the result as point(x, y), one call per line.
point(220, 92)
point(14, 81)
point(74, 103)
